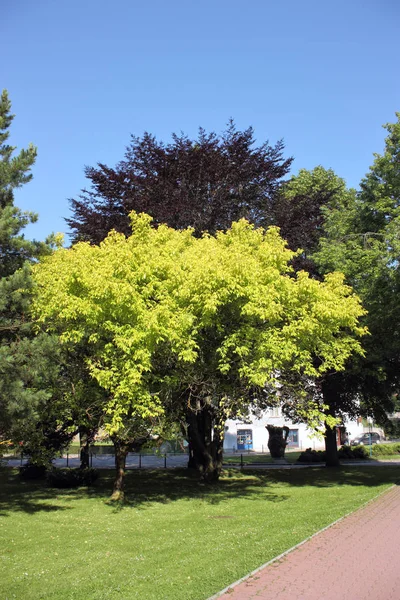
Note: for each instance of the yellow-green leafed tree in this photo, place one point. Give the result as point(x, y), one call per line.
point(255, 325)
point(195, 327)
point(118, 300)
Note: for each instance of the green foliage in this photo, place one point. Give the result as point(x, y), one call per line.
point(27, 362)
point(361, 240)
point(344, 453)
point(70, 478)
point(353, 452)
point(391, 428)
point(385, 449)
point(225, 309)
point(312, 456)
point(301, 208)
point(14, 170)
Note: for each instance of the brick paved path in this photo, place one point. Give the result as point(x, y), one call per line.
point(358, 558)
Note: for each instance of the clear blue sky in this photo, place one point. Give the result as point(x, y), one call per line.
point(83, 75)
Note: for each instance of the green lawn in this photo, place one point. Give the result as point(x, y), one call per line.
point(386, 458)
point(174, 539)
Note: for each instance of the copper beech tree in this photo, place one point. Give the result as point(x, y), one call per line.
point(205, 183)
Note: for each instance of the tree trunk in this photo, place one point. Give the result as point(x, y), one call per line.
point(85, 439)
point(217, 450)
point(332, 458)
point(206, 442)
point(195, 436)
point(331, 451)
point(121, 451)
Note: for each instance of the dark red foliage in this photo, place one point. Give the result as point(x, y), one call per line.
point(205, 183)
point(301, 222)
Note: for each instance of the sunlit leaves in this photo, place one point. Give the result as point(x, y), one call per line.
point(153, 298)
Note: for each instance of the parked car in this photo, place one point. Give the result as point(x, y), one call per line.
point(365, 439)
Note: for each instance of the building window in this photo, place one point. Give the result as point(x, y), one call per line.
point(293, 438)
point(244, 439)
point(275, 411)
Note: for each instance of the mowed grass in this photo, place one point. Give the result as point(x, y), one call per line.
point(174, 538)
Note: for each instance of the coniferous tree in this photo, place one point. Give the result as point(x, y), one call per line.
point(27, 361)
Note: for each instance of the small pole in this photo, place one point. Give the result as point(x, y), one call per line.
point(21, 458)
point(165, 461)
point(140, 461)
point(67, 459)
point(91, 460)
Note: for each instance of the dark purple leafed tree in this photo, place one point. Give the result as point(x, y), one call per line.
point(204, 183)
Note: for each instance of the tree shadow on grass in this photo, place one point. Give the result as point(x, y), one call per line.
point(29, 497)
point(146, 487)
point(142, 489)
point(321, 476)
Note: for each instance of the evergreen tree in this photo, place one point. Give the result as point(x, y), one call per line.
point(27, 365)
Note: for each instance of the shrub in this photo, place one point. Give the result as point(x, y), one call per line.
point(32, 471)
point(360, 452)
point(312, 456)
point(346, 452)
point(385, 449)
point(68, 478)
point(353, 452)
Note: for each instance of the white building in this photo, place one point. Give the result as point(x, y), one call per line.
point(253, 435)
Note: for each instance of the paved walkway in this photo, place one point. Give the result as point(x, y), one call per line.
point(357, 558)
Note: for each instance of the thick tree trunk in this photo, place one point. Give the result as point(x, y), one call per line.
point(206, 442)
point(195, 432)
point(331, 451)
point(217, 450)
point(121, 451)
point(332, 458)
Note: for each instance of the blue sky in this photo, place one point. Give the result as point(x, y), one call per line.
point(83, 75)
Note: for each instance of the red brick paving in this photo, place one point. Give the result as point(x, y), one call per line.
point(357, 558)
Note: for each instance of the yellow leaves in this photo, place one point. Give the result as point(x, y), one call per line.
point(156, 297)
